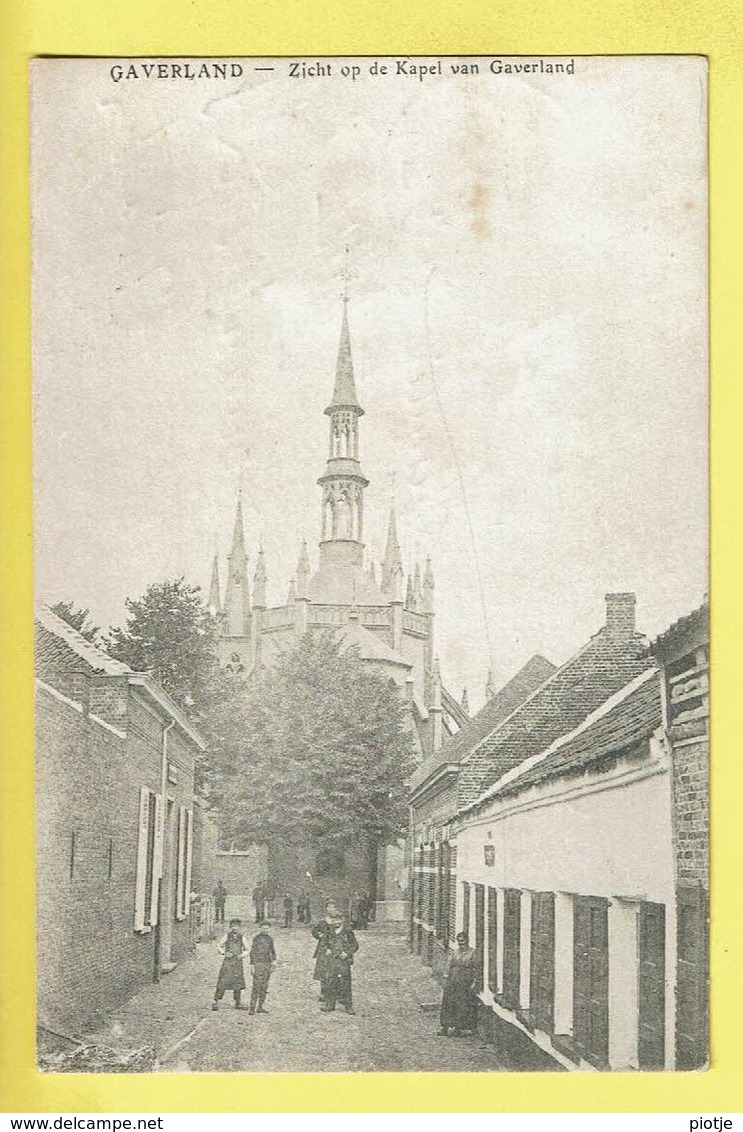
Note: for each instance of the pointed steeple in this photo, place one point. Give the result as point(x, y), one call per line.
point(303, 571)
point(259, 582)
point(292, 595)
point(465, 701)
point(343, 482)
point(490, 686)
point(237, 593)
point(428, 588)
point(344, 391)
point(392, 563)
point(215, 601)
point(409, 594)
point(417, 591)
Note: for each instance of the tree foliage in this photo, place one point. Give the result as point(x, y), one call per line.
point(170, 633)
point(319, 750)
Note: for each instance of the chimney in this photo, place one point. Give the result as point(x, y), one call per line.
point(620, 615)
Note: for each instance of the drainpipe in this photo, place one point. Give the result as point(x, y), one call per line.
point(163, 787)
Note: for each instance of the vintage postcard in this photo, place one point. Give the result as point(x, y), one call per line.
point(372, 626)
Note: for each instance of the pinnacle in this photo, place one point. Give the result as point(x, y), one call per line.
point(344, 392)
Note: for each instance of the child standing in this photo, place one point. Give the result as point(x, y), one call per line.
point(262, 960)
point(231, 973)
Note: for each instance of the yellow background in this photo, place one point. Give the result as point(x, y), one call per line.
point(428, 27)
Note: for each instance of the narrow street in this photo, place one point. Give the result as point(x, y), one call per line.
point(394, 1027)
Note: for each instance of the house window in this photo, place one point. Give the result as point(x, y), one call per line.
point(493, 939)
point(651, 955)
point(511, 947)
point(691, 979)
point(480, 935)
point(442, 927)
point(591, 979)
point(542, 961)
point(149, 860)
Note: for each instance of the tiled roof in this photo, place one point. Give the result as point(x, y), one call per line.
point(456, 747)
point(694, 624)
point(581, 685)
point(59, 645)
point(632, 717)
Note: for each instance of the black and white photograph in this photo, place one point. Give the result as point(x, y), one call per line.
point(370, 411)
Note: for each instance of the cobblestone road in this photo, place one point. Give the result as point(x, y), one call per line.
point(391, 1030)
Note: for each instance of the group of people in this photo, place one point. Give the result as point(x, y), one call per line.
point(335, 948)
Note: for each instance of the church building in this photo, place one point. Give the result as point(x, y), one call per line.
point(386, 618)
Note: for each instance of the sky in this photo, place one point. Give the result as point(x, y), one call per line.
point(528, 314)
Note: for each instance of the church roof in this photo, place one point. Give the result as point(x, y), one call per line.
point(344, 585)
point(344, 392)
point(369, 645)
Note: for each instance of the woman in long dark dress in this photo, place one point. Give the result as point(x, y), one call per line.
point(459, 1005)
point(231, 973)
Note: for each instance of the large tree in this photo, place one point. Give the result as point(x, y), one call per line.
point(319, 750)
point(170, 633)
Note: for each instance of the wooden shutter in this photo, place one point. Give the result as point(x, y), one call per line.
point(145, 860)
point(651, 1021)
point(180, 866)
point(466, 909)
point(189, 862)
point(480, 935)
point(452, 893)
point(157, 860)
point(591, 979)
point(691, 979)
point(542, 961)
point(493, 940)
point(511, 947)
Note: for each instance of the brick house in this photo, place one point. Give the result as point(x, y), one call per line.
point(115, 868)
point(433, 807)
point(683, 655)
point(579, 881)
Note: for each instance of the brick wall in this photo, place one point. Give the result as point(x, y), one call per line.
point(691, 804)
point(89, 958)
point(88, 955)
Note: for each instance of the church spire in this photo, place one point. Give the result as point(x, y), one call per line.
point(490, 686)
point(392, 563)
point(259, 582)
point(344, 391)
point(303, 571)
point(343, 482)
point(237, 594)
point(215, 602)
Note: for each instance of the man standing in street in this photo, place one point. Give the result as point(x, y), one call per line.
point(337, 946)
point(220, 896)
point(262, 960)
point(288, 910)
point(259, 903)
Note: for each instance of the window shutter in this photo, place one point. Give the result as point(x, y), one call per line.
point(180, 863)
point(480, 935)
point(189, 861)
point(157, 860)
point(140, 887)
point(591, 978)
point(511, 947)
point(493, 940)
point(651, 1022)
